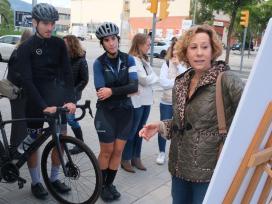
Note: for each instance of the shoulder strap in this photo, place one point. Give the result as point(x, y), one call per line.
point(220, 106)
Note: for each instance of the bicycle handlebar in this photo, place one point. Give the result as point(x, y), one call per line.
point(83, 108)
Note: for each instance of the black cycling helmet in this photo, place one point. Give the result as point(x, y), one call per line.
point(45, 12)
point(106, 29)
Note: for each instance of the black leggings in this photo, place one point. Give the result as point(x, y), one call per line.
point(18, 129)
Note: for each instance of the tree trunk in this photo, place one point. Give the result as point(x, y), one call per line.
point(233, 16)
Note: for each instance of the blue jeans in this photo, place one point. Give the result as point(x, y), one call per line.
point(71, 121)
point(166, 112)
point(133, 146)
point(186, 192)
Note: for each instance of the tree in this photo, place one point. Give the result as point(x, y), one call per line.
point(203, 13)
point(230, 7)
point(259, 17)
point(6, 13)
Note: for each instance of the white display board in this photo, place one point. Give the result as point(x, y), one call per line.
point(256, 96)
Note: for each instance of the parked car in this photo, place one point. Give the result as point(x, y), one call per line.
point(238, 46)
point(160, 48)
point(7, 45)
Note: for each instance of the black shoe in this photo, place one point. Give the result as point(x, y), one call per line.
point(60, 187)
point(114, 192)
point(75, 150)
point(38, 191)
point(106, 194)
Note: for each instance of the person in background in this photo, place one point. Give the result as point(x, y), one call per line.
point(193, 130)
point(171, 68)
point(81, 78)
point(142, 102)
point(18, 129)
point(115, 77)
point(222, 64)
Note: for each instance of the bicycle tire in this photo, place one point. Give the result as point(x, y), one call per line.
point(78, 186)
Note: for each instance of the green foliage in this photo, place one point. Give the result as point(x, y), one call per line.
point(232, 8)
point(259, 17)
point(6, 13)
point(5, 30)
point(204, 14)
point(7, 19)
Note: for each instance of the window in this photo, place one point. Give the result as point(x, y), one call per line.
point(7, 39)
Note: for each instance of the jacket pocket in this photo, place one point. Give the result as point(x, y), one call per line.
point(206, 150)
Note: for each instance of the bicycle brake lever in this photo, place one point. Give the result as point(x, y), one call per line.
point(88, 105)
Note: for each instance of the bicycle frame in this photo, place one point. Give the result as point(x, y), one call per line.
point(53, 129)
point(46, 133)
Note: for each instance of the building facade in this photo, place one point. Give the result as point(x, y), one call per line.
point(141, 19)
point(63, 24)
point(134, 16)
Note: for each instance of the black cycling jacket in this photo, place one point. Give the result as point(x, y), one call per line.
point(44, 63)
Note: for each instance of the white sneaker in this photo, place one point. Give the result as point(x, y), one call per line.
point(161, 158)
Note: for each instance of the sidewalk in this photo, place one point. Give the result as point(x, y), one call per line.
point(142, 187)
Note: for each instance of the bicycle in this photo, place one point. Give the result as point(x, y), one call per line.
point(80, 172)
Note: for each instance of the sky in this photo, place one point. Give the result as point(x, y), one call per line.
point(59, 3)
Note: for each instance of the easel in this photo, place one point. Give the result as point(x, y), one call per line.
point(254, 157)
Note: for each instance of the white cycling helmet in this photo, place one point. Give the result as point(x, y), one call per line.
point(106, 29)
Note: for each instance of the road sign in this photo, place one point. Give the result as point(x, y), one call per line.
point(22, 19)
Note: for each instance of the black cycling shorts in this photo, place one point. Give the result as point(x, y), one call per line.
point(112, 124)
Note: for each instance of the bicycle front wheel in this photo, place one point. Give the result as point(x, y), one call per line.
point(83, 175)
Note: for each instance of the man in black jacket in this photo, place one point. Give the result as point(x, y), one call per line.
point(47, 80)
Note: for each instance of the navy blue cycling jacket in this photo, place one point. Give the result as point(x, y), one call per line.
point(120, 75)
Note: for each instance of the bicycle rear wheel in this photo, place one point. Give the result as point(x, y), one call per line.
point(84, 175)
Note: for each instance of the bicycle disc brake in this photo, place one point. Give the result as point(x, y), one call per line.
point(72, 170)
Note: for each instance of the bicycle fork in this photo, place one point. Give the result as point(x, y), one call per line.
point(61, 150)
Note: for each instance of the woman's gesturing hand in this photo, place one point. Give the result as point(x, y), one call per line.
point(149, 130)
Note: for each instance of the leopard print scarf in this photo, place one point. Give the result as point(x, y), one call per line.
point(183, 84)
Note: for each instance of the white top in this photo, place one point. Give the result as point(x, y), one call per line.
point(167, 80)
point(146, 78)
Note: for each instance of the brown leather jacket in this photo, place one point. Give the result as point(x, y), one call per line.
point(193, 131)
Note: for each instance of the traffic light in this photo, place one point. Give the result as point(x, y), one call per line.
point(153, 6)
point(163, 9)
point(244, 18)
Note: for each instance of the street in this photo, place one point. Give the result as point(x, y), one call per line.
point(151, 186)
